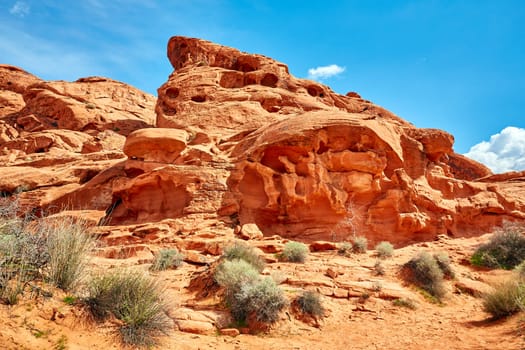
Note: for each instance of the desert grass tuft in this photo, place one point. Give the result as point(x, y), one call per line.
point(134, 298)
point(309, 302)
point(242, 251)
point(167, 259)
point(295, 252)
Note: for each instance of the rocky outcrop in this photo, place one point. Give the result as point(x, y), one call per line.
point(241, 142)
point(59, 140)
point(297, 159)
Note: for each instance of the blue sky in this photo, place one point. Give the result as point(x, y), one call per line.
point(448, 64)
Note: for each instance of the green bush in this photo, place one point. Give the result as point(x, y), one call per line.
point(166, 259)
point(263, 298)
point(344, 248)
point(68, 246)
point(295, 252)
point(506, 249)
point(360, 244)
point(507, 298)
point(423, 271)
point(310, 303)
point(384, 249)
point(242, 251)
point(135, 299)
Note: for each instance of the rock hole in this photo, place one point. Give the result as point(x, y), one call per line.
point(199, 98)
point(249, 80)
point(269, 80)
point(167, 110)
point(133, 172)
point(312, 91)
point(232, 80)
point(172, 92)
point(88, 175)
point(322, 148)
point(246, 64)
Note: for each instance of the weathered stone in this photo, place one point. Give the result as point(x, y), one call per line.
point(250, 231)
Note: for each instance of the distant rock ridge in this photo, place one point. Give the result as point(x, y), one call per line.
point(238, 140)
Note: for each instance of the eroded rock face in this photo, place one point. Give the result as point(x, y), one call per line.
point(312, 164)
point(59, 140)
point(238, 142)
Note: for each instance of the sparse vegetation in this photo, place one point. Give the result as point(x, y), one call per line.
point(242, 251)
point(263, 298)
point(506, 249)
point(384, 249)
point(443, 261)
point(135, 299)
point(167, 259)
point(377, 286)
point(295, 252)
point(403, 302)
point(69, 300)
point(423, 270)
point(247, 293)
point(33, 249)
point(61, 343)
point(68, 246)
point(379, 269)
point(309, 302)
point(360, 244)
point(520, 269)
point(23, 253)
point(507, 298)
point(232, 274)
point(345, 249)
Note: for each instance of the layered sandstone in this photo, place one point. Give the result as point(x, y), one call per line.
point(60, 140)
point(238, 140)
point(299, 160)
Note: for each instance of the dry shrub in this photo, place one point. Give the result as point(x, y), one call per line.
point(360, 244)
point(134, 298)
point(309, 302)
point(68, 246)
point(242, 251)
point(506, 249)
point(295, 252)
point(384, 249)
point(507, 298)
point(424, 271)
point(167, 259)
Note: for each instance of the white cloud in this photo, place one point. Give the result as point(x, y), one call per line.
point(20, 9)
point(503, 152)
point(325, 72)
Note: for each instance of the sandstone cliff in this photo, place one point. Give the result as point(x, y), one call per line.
point(239, 140)
point(59, 141)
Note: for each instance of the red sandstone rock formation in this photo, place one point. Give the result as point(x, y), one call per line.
point(240, 140)
point(307, 163)
point(56, 137)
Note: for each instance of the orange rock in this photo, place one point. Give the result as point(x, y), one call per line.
point(240, 142)
point(156, 144)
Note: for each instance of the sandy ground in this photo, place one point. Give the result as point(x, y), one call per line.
point(360, 312)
